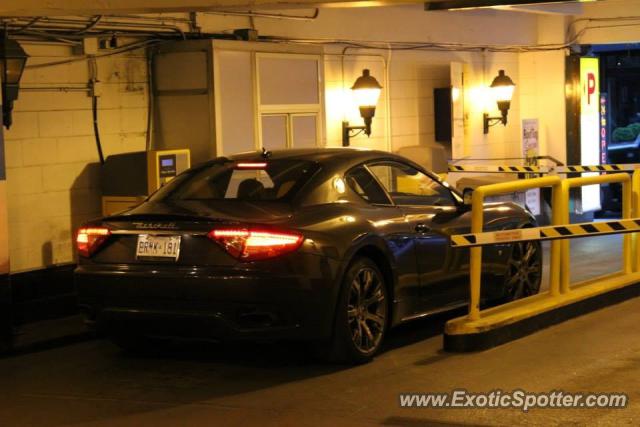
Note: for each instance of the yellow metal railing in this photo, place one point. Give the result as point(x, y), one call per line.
point(477, 223)
point(567, 185)
point(559, 283)
point(635, 207)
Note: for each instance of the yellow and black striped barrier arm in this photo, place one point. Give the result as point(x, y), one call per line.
point(551, 232)
point(598, 168)
point(498, 169)
point(544, 169)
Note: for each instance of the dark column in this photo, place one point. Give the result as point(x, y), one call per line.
point(6, 326)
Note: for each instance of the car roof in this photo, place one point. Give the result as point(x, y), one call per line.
point(321, 155)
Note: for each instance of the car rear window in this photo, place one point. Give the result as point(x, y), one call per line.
point(269, 180)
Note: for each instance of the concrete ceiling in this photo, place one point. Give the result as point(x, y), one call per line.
point(106, 7)
point(97, 7)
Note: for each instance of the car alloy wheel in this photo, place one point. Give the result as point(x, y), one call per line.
point(367, 309)
point(524, 270)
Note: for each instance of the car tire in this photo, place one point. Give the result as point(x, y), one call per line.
point(524, 270)
point(362, 314)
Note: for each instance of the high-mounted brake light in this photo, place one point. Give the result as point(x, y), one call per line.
point(89, 239)
point(252, 165)
point(249, 244)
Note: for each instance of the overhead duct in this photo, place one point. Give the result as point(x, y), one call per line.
point(474, 4)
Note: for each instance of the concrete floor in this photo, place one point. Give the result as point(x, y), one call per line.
point(96, 384)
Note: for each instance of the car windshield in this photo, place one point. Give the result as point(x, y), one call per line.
point(267, 180)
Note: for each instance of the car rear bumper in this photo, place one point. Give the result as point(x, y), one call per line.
point(210, 303)
point(196, 325)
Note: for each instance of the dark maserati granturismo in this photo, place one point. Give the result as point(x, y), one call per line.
point(329, 246)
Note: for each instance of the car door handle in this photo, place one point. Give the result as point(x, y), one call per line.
point(422, 228)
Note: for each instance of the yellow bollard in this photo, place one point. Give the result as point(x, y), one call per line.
point(558, 213)
point(565, 270)
point(627, 195)
point(475, 262)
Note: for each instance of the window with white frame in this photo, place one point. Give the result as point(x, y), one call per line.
point(289, 100)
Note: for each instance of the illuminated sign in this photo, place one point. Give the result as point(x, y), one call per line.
point(590, 127)
point(603, 128)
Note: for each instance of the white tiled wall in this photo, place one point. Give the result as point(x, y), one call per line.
point(52, 174)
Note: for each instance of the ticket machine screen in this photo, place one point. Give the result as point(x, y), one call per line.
point(167, 167)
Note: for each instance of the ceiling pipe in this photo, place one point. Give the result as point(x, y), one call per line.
point(85, 27)
point(268, 15)
point(474, 4)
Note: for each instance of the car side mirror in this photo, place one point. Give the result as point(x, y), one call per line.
point(467, 194)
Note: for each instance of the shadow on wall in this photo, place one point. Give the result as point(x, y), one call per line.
point(85, 204)
point(47, 253)
point(49, 292)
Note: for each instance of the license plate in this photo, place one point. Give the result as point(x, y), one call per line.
point(166, 247)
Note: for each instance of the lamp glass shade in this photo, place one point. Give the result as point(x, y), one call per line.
point(503, 93)
point(14, 69)
point(502, 87)
point(12, 61)
point(366, 90)
point(366, 97)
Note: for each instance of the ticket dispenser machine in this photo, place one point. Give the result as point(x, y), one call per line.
point(127, 179)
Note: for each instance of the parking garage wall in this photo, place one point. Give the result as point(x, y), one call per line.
point(408, 98)
point(52, 162)
point(405, 115)
point(52, 171)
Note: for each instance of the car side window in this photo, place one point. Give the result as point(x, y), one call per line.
point(408, 186)
point(365, 185)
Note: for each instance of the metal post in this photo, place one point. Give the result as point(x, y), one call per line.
point(627, 194)
point(558, 213)
point(475, 262)
point(345, 133)
point(563, 206)
point(635, 187)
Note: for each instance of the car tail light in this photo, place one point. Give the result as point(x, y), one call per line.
point(250, 244)
point(89, 239)
point(252, 165)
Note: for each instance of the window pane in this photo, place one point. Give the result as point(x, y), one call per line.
point(274, 132)
point(361, 181)
point(236, 102)
point(228, 180)
point(304, 131)
point(288, 81)
point(242, 183)
point(408, 186)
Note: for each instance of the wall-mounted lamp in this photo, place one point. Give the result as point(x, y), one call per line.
point(12, 62)
point(366, 91)
point(502, 89)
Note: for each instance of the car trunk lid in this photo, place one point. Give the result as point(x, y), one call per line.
point(177, 231)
